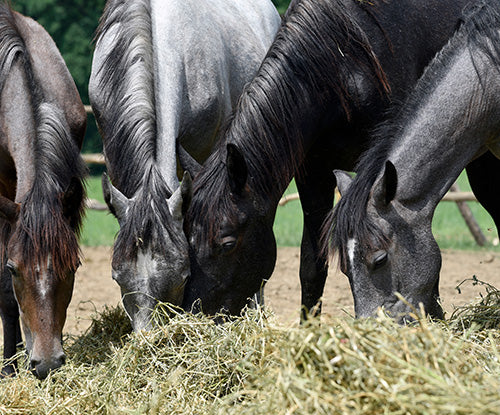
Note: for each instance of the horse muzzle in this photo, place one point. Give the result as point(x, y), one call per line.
point(41, 367)
point(46, 359)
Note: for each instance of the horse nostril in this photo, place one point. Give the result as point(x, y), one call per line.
point(34, 363)
point(61, 360)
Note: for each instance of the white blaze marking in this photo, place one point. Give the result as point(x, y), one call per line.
point(146, 264)
point(43, 281)
point(351, 248)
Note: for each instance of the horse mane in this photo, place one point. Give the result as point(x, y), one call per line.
point(310, 62)
point(481, 23)
point(45, 228)
point(147, 218)
point(129, 132)
point(477, 29)
point(127, 86)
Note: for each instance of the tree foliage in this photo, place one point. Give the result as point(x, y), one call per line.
point(281, 5)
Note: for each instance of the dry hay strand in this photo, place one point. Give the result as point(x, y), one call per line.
point(252, 365)
point(483, 314)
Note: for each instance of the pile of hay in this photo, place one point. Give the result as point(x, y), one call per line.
point(252, 365)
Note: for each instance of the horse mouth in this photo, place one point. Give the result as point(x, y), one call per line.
point(407, 311)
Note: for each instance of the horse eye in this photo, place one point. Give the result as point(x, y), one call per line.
point(12, 268)
point(228, 243)
point(380, 259)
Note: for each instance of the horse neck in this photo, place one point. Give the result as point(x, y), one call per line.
point(448, 121)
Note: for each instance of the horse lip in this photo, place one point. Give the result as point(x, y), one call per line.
point(41, 368)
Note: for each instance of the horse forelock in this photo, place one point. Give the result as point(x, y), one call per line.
point(149, 222)
point(349, 218)
point(127, 90)
point(44, 237)
point(211, 202)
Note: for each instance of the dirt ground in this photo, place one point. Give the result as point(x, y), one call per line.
point(94, 287)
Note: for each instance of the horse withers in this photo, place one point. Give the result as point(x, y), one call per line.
point(42, 122)
point(166, 73)
point(382, 225)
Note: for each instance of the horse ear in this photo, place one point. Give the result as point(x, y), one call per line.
point(178, 203)
point(237, 170)
point(9, 210)
point(344, 181)
point(72, 197)
point(385, 187)
point(117, 202)
point(187, 162)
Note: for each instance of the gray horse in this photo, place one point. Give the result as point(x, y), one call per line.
point(382, 225)
point(166, 73)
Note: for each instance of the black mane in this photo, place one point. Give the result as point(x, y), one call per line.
point(309, 64)
point(478, 29)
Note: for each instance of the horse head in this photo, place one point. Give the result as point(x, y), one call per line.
point(150, 257)
point(390, 251)
point(232, 244)
point(42, 260)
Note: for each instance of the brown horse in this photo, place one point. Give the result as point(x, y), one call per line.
point(42, 122)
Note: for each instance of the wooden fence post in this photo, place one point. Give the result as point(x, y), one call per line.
point(469, 218)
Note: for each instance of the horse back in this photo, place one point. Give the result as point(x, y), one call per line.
point(205, 53)
point(410, 39)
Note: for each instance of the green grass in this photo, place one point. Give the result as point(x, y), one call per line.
point(99, 227)
point(449, 227)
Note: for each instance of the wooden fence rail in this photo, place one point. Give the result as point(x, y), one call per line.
point(454, 195)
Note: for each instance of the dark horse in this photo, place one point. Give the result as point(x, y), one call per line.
point(327, 79)
point(42, 122)
point(382, 224)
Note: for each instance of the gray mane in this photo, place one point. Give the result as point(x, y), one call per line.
point(127, 85)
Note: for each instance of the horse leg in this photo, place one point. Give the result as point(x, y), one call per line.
point(316, 186)
point(484, 179)
point(9, 313)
